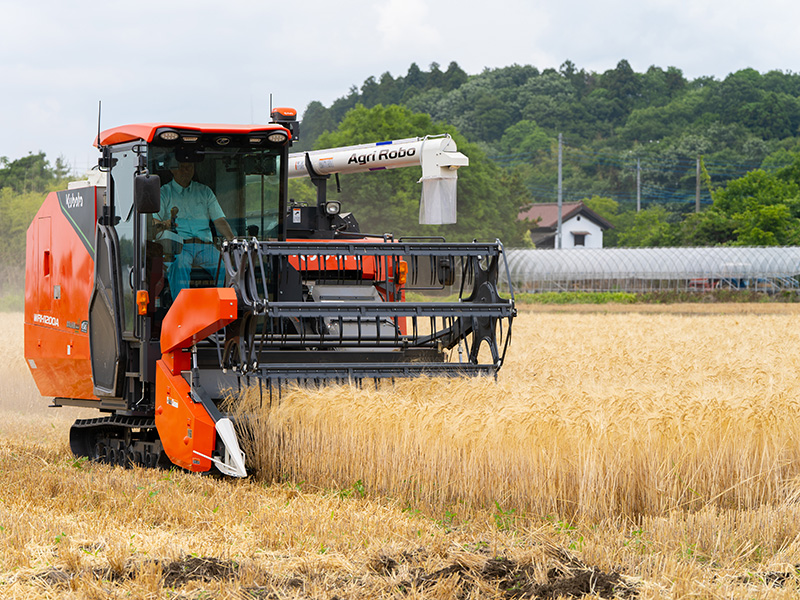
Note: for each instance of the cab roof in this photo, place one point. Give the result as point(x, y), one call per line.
point(147, 131)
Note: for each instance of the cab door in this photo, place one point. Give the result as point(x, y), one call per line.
point(112, 306)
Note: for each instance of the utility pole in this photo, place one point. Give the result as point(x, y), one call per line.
point(638, 185)
point(697, 189)
point(560, 195)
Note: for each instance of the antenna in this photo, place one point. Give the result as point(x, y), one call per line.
point(99, 109)
point(270, 105)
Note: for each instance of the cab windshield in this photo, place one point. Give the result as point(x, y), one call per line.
point(245, 183)
point(207, 196)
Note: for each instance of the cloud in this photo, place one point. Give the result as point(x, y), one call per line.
point(407, 23)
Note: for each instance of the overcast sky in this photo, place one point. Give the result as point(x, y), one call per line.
point(217, 61)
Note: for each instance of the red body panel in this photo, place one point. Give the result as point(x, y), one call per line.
point(59, 279)
point(332, 264)
point(196, 314)
point(370, 268)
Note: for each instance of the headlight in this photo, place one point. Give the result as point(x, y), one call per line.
point(277, 138)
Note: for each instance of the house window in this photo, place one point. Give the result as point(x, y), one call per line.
point(579, 238)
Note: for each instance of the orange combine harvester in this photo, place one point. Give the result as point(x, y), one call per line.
point(184, 271)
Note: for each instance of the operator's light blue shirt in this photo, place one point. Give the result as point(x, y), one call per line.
point(196, 204)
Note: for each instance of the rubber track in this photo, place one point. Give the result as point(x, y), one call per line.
point(116, 421)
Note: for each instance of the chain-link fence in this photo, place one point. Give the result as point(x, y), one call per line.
point(654, 269)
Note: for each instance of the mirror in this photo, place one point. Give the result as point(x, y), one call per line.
point(147, 193)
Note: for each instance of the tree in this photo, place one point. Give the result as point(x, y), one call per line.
point(770, 225)
point(624, 89)
point(646, 228)
point(524, 136)
point(16, 213)
point(316, 120)
point(708, 228)
point(549, 101)
point(454, 77)
point(760, 209)
point(31, 173)
point(757, 188)
point(608, 208)
point(414, 77)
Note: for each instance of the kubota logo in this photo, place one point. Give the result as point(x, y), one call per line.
point(45, 319)
point(73, 200)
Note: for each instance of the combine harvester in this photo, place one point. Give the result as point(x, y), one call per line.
point(188, 273)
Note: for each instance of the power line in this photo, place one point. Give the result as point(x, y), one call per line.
point(649, 169)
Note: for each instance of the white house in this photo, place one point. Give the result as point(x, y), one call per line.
point(581, 227)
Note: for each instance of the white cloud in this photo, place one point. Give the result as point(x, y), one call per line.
point(407, 23)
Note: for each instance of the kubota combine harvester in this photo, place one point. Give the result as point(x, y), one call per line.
point(187, 273)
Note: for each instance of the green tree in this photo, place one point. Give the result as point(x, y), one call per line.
point(525, 136)
point(708, 228)
point(31, 173)
point(24, 184)
point(767, 225)
point(608, 208)
point(316, 120)
point(760, 209)
point(757, 188)
point(624, 87)
point(454, 77)
point(647, 228)
point(16, 212)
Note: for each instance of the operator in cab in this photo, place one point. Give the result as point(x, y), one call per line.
point(187, 209)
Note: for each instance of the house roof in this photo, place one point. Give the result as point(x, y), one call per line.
point(547, 214)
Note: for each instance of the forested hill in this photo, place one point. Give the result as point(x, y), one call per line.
point(614, 110)
point(611, 122)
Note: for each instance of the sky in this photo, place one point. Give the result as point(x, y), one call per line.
point(218, 62)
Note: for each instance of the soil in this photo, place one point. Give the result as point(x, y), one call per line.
point(175, 574)
point(517, 581)
point(773, 578)
point(513, 579)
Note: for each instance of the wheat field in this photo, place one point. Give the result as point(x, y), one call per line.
point(623, 451)
point(595, 415)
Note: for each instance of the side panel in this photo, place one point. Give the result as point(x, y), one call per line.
point(58, 285)
point(185, 428)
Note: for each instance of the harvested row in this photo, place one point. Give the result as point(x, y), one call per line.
point(595, 416)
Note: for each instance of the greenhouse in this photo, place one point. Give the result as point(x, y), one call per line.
point(654, 269)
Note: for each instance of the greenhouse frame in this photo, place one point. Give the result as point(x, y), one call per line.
point(770, 270)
